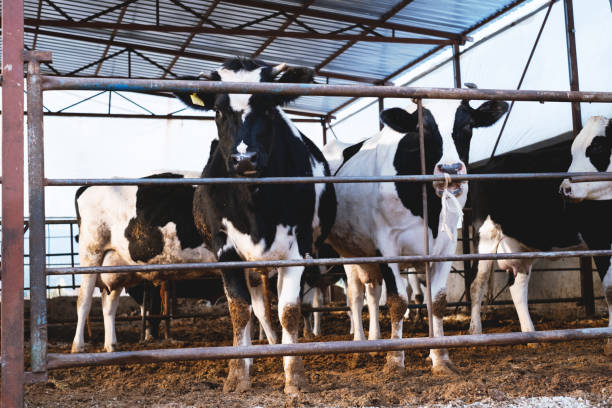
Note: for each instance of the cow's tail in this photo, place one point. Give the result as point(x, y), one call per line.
point(79, 192)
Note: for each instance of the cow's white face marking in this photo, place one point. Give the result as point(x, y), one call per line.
point(240, 102)
point(241, 148)
point(596, 190)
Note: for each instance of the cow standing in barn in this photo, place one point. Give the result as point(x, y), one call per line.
point(132, 225)
point(261, 222)
point(386, 219)
point(592, 152)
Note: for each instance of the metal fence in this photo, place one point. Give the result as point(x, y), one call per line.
point(41, 362)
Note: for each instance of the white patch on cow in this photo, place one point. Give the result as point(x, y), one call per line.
point(240, 102)
point(284, 240)
point(241, 148)
point(443, 111)
point(594, 190)
point(318, 170)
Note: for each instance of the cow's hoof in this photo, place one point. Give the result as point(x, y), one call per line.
point(445, 367)
point(394, 369)
point(295, 377)
point(238, 377)
point(148, 338)
point(359, 360)
point(110, 348)
point(77, 348)
point(608, 348)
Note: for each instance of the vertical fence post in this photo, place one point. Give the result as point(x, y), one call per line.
point(324, 130)
point(381, 107)
point(12, 204)
point(586, 271)
point(36, 192)
point(425, 216)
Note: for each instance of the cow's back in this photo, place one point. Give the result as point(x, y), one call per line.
point(531, 211)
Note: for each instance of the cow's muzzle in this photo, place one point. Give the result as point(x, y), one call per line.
point(454, 187)
point(566, 190)
point(244, 164)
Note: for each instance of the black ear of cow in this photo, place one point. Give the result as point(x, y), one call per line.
point(196, 100)
point(399, 120)
point(609, 129)
point(294, 75)
point(489, 112)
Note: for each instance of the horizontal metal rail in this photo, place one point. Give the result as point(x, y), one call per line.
point(321, 261)
point(301, 349)
point(413, 178)
point(150, 85)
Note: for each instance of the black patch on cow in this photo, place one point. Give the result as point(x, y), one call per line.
point(468, 118)
point(399, 120)
point(332, 273)
point(388, 276)
point(600, 149)
point(348, 153)
point(156, 206)
point(408, 161)
point(530, 211)
point(79, 192)
point(595, 226)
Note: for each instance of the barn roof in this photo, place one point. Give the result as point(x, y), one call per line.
point(346, 42)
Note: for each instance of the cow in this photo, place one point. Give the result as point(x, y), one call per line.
point(592, 152)
point(519, 216)
point(386, 219)
point(135, 225)
point(267, 221)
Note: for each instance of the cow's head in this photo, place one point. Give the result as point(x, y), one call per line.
point(468, 118)
point(246, 123)
point(591, 152)
point(440, 153)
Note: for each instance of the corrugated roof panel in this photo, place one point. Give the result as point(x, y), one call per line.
point(363, 59)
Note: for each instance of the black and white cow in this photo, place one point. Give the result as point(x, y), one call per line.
point(592, 152)
point(387, 218)
point(519, 216)
point(262, 222)
point(132, 225)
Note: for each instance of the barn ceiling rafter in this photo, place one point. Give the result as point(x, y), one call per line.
point(345, 43)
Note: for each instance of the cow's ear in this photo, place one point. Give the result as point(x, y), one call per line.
point(294, 75)
point(196, 100)
point(399, 120)
point(488, 113)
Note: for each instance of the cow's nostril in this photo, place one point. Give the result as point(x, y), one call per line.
point(454, 168)
point(253, 158)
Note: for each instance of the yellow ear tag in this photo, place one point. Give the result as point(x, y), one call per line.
point(196, 100)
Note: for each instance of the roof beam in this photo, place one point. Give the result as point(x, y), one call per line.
point(59, 10)
point(188, 54)
point(112, 37)
point(327, 15)
point(235, 31)
point(108, 10)
point(203, 19)
point(282, 28)
point(394, 10)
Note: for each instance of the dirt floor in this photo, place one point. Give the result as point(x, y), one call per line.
point(487, 374)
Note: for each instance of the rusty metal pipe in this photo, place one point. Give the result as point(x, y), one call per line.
point(413, 178)
point(322, 261)
point(149, 85)
point(301, 349)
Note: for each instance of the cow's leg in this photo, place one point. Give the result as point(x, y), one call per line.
point(607, 289)
point(519, 290)
point(317, 301)
point(256, 290)
point(489, 238)
point(355, 291)
point(439, 357)
point(397, 301)
point(88, 284)
point(110, 302)
point(373, 294)
point(238, 300)
point(289, 315)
